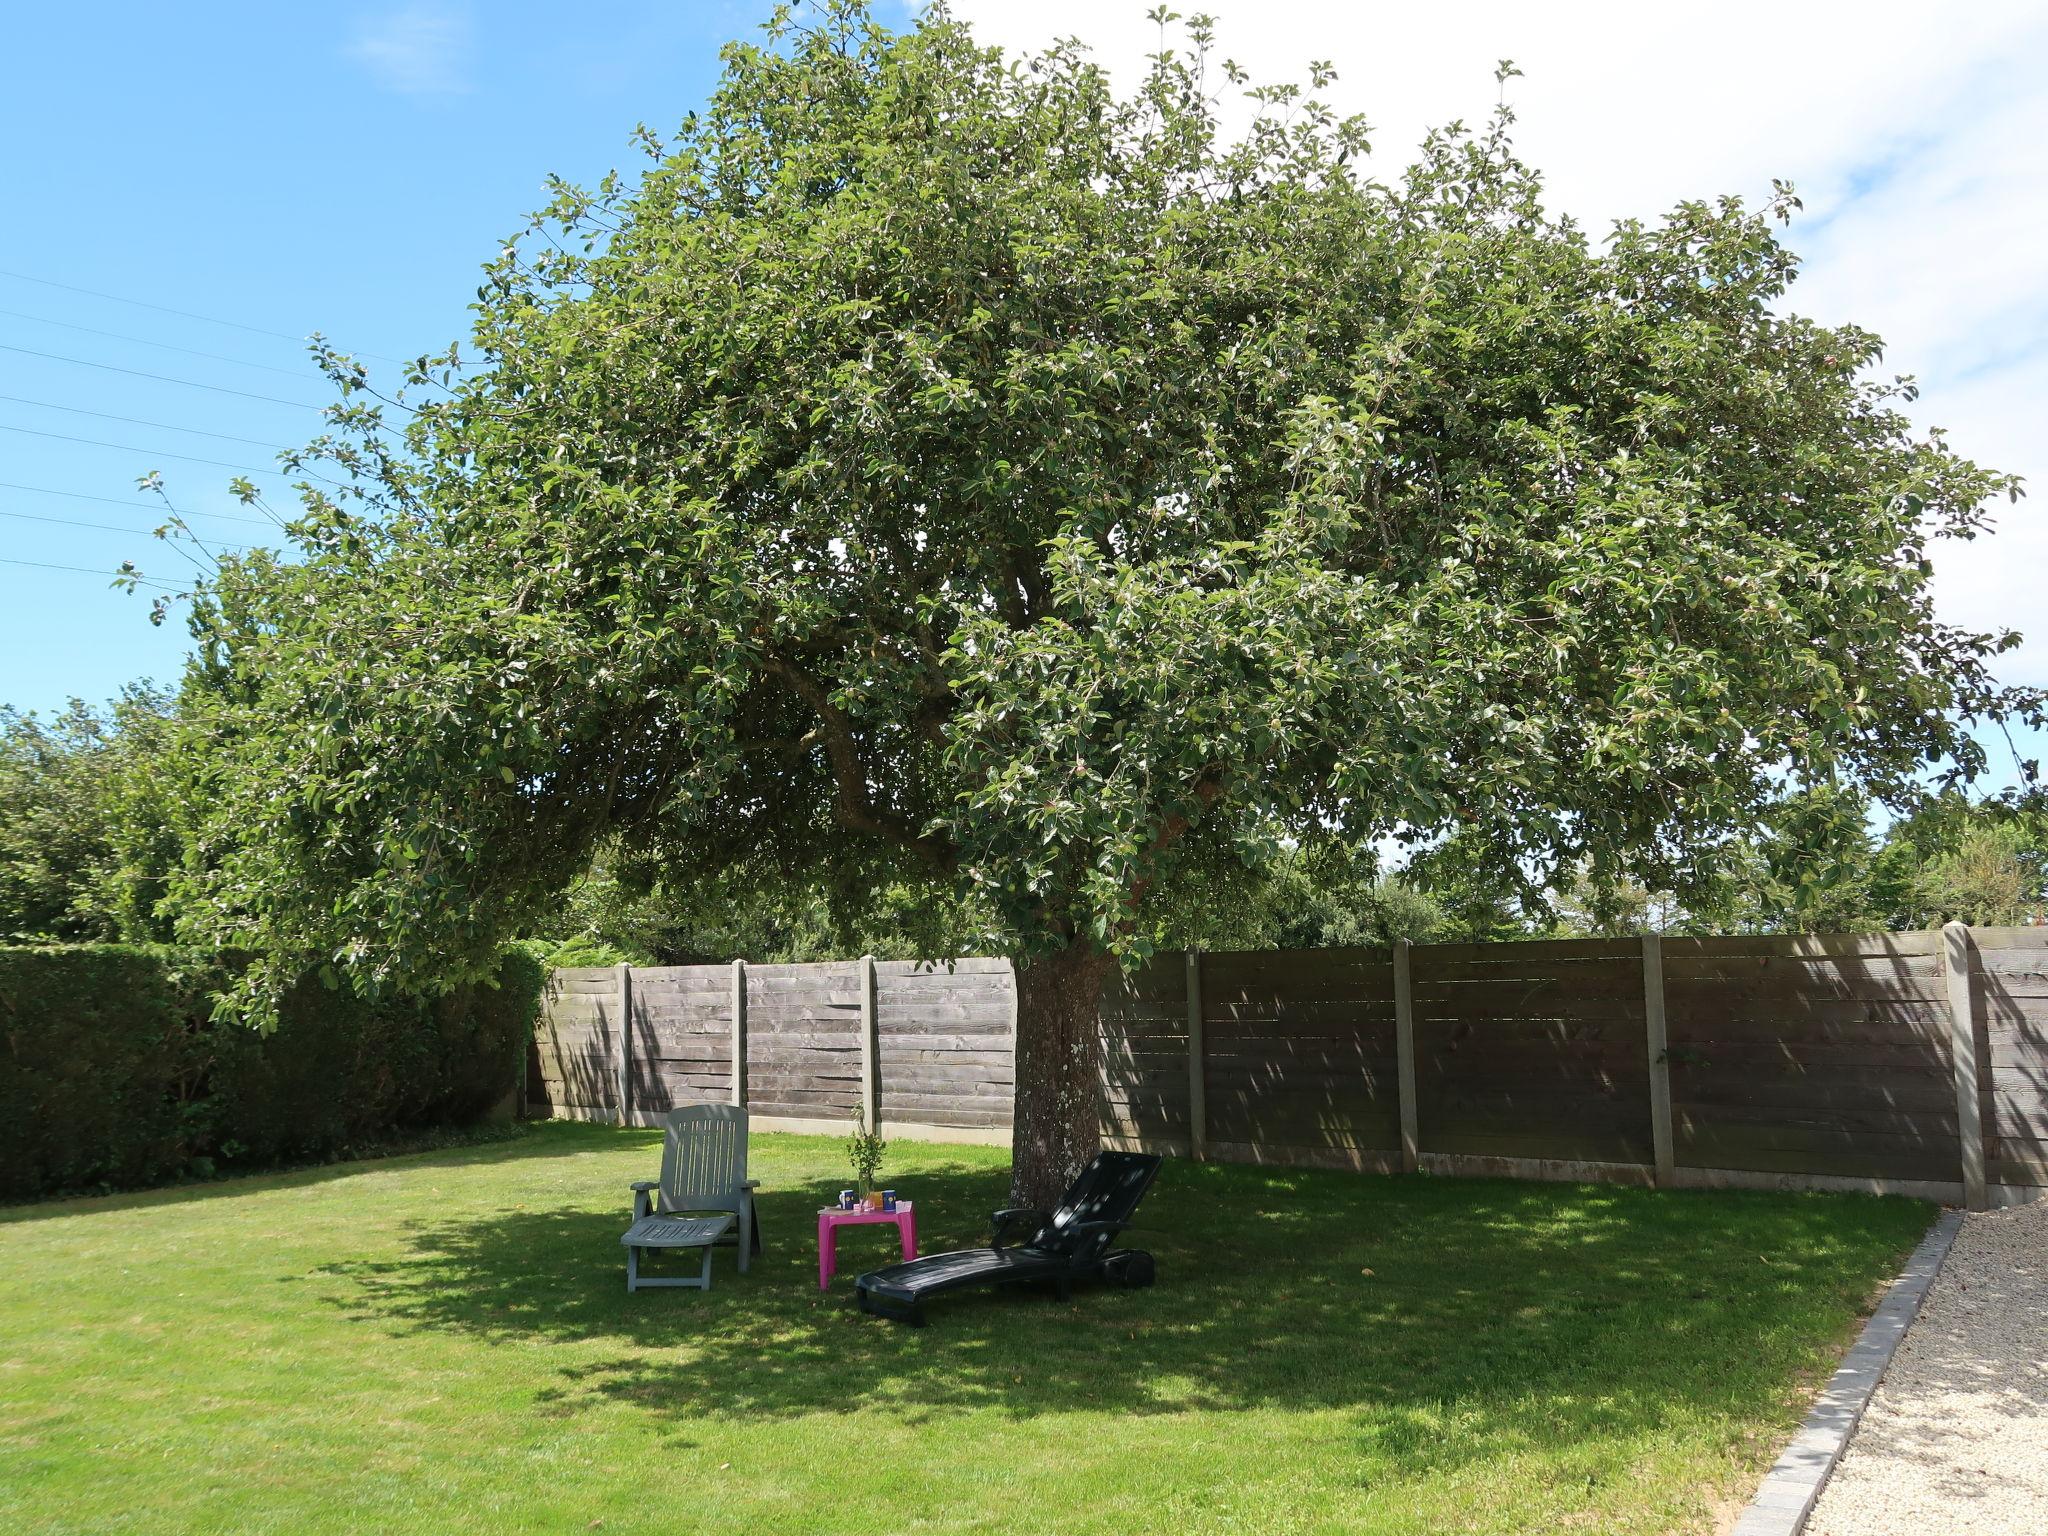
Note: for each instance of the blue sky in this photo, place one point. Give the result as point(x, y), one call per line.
point(346, 167)
point(287, 168)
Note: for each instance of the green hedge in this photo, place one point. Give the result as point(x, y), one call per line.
point(112, 1076)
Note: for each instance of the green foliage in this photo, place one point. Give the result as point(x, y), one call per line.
point(1298, 900)
point(938, 475)
point(1993, 876)
point(85, 839)
point(650, 916)
point(581, 949)
point(1302, 899)
point(340, 1071)
point(864, 1150)
point(119, 1076)
point(1817, 864)
point(1975, 863)
point(103, 1070)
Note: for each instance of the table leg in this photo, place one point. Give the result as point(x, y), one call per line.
point(906, 1226)
point(828, 1255)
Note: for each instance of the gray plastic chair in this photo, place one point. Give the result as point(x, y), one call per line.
point(704, 1168)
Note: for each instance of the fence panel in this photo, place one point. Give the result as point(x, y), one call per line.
point(1825, 1055)
point(943, 1043)
point(803, 1041)
point(1534, 1050)
point(682, 1037)
point(1300, 1057)
point(1144, 1087)
point(573, 1069)
point(2011, 985)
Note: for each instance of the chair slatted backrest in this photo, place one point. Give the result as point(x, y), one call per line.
point(1108, 1189)
point(703, 1158)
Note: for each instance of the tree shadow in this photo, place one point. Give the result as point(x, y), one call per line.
point(1540, 1311)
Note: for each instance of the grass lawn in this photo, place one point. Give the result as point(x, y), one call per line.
point(443, 1342)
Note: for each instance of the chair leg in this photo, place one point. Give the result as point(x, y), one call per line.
point(632, 1269)
point(748, 1245)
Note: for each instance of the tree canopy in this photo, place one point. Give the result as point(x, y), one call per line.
point(86, 842)
point(938, 472)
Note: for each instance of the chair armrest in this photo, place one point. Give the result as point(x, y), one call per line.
point(642, 1206)
point(1001, 1222)
point(646, 1184)
point(750, 1184)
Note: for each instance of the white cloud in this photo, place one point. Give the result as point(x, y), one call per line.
point(1913, 132)
point(422, 50)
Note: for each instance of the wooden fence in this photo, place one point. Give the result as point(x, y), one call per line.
point(928, 1047)
point(1821, 1062)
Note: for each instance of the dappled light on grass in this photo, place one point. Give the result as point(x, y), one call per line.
point(1305, 1291)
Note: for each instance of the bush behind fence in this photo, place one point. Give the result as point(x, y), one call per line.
point(1825, 1061)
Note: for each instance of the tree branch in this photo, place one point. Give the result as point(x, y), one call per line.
point(853, 805)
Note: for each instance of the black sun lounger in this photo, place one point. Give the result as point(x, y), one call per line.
point(1071, 1244)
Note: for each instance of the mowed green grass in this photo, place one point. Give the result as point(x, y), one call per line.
point(443, 1342)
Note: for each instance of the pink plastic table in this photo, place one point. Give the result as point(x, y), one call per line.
point(831, 1219)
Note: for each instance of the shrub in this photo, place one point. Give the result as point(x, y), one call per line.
point(115, 1075)
point(100, 1065)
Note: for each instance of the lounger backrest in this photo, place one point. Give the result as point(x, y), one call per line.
point(703, 1158)
point(1108, 1189)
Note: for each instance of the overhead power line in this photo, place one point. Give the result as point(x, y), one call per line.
point(148, 453)
point(161, 378)
point(144, 341)
point(184, 314)
point(121, 501)
point(137, 421)
point(89, 570)
point(165, 453)
point(72, 522)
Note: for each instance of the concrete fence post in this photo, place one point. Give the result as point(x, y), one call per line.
point(1964, 1028)
point(1404, 1057)
point(870, 1054)
point(625, 1044)
point(1657, 1039)
point(739, 1031)
point(1198, 1091)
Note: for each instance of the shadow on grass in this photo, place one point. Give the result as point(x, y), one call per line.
point(560, 1138)
point(1464, 1315)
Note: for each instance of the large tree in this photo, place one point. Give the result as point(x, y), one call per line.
point(937, 471)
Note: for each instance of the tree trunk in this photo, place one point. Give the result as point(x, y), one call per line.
point(1057, 1125)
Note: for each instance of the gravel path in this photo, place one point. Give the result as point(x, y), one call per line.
point(1956, 1439)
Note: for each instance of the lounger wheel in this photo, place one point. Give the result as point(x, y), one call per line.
point(1130, 1268)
